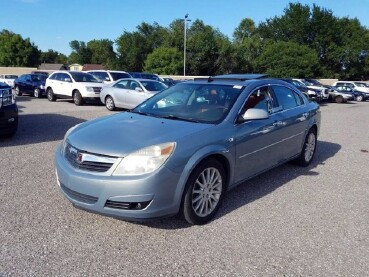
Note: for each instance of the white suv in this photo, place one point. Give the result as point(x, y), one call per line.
point(109, 76)
point(8, 79)
point(79, 86)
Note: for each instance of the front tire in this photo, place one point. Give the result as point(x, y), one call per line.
point(204, 192)
point(50, 95)
point(77, 98)
point(109, 103)
point(37, 93)
point(308, 150)
point(339, 99)
point(17, 91)
point(359, 98)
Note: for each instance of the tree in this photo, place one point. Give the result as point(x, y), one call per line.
point(133, 47)
point(164, 60)
point(204, 47)
point(52, 56)
point(288, 59)
point(102, 52)
point(341, 44)
point(80, 54)
point(16, 51)
point(244, 31)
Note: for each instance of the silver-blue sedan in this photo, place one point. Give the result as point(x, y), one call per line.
point(129, 92)
point(183, 148)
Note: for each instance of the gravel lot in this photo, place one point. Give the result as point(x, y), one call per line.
point(290, 221)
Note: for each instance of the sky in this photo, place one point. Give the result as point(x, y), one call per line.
point(53, 24)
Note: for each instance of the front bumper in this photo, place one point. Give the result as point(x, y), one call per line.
point(153, 195)
point(8, 119)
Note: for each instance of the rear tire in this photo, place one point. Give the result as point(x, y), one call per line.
point(50, 95)
point(77, 98)
point(308, 150)
point(204, 192)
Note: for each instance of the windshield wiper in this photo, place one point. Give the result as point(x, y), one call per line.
point(141, 113)
point(179, 118)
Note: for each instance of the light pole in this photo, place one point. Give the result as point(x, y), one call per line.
point(184, 44)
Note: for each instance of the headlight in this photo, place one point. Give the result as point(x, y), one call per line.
point(66, 136)
point(42, 87)
point(90, 89)
point(145, 160)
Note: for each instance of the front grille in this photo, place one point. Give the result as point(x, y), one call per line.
point(88, 199)
point(126, 205)
point(88, 161)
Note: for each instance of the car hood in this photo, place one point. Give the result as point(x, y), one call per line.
point(317, 87)
point(127, 132)
point(91, 84)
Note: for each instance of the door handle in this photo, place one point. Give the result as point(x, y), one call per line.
point(278, 123)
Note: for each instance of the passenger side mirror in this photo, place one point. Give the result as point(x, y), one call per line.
point(138, 89)
point(107, 79)
point(68, 80)
point(255, 114)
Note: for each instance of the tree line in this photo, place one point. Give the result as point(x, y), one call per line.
point(304, 42)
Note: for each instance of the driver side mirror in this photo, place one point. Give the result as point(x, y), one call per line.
point(138, 89)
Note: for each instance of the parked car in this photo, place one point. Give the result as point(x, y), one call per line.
point(171, 82)
point(356, 95)
point(8, 111)
point(359, 86)
point(45, 73)
point(354, 87)
point(144, 75)
point(32, 84)
point(313, 94)
point(8, 79)
point(183, 148)
point(340, 96)
point(128, 93)
point(316, 86)
point(80, 86)
point(109, 76)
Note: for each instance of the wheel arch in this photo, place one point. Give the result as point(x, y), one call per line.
point(196, 160)
point(74, 91)
point(106, 96)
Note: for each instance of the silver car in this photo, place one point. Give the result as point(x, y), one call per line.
point(183, 148)
point(128, 93)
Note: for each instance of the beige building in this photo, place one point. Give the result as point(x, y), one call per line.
point(75, 67)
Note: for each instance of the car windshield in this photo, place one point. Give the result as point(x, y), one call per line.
point(297, 83)
point(313, 82)
point(153, 85)
point(362, 85)
point(202, 103)
point(84, 77)
point(38, 78)
point(119, 75)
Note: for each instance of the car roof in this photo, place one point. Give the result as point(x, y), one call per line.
point(101, 70)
